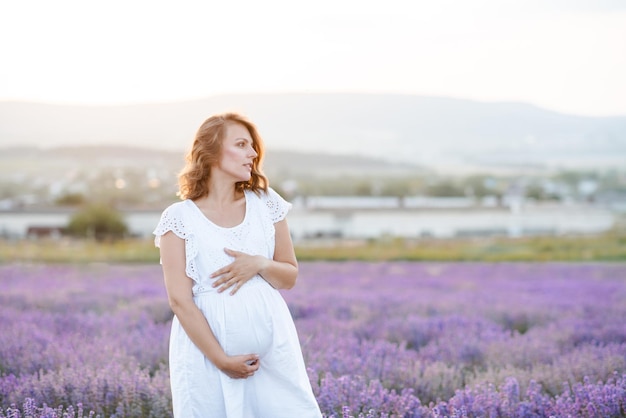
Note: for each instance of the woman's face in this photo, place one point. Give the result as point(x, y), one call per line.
point(237, 153)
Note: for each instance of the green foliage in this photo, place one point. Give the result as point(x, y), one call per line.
point(70, 199)
point(97, 221)
point(445, 188)
point(609, 247)
point(80, 251)
point(603, 247)
point(9, 189)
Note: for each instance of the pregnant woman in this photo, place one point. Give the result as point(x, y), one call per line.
point(225, 251)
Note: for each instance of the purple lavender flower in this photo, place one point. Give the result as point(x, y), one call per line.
point(390, 339)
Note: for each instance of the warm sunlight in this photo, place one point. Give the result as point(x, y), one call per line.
point(563, 56)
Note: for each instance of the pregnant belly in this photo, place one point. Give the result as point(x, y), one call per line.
point(242, 323)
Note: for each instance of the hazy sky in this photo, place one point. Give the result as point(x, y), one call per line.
point(566, 55)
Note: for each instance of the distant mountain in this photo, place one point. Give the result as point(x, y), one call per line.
point(398, 128)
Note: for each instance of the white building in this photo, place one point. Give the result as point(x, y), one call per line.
point(368, 218)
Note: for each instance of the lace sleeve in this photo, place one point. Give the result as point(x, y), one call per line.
point(278, 207)
point(172, 220)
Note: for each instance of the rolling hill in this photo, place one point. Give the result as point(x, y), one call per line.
point(396, 128)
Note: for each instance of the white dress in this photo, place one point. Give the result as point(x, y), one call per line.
point(254, 320)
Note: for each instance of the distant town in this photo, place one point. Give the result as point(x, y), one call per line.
point(336, 196)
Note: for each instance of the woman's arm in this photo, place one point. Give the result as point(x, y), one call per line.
point(179, 293)
point(281, 272)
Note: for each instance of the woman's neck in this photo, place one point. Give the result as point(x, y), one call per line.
point(222, 194)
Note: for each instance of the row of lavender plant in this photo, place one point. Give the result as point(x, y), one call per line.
point(94, 336)
point(380, 339)
point(458, 335)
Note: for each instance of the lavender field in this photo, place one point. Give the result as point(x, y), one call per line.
point(390, 339)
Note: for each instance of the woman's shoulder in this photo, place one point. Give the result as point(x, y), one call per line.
point(264, 195)
point(273, 203)
point(177, 208)
point(174, 219)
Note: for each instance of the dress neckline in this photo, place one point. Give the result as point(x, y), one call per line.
point(206, 218)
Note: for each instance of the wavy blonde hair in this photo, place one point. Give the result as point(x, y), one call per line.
point(206, 150)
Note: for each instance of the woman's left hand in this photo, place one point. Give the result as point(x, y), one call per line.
point(237, 273)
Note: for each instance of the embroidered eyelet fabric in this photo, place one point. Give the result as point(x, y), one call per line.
point(172, 220)
point(254, 320)
point(254, 235)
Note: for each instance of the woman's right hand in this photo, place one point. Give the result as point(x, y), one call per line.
point(240, 367)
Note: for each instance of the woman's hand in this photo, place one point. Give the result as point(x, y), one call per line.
point(240, 367)
point(237, 273)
